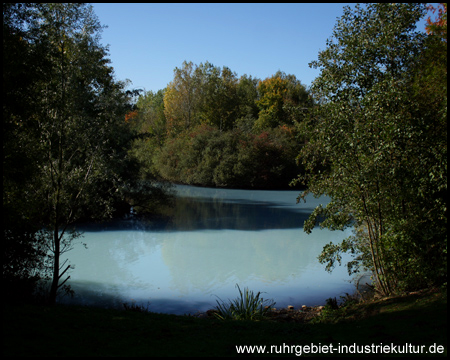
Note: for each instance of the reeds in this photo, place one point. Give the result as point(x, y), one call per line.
point(247, 306)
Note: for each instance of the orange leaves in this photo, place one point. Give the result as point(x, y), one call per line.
point(131, 115)
point(289, 130)
point(439, 25)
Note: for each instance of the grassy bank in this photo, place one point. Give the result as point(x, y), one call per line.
point(417, 319)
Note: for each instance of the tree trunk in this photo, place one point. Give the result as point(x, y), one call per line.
point(57, 251)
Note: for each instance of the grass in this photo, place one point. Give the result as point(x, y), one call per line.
point(31, 330)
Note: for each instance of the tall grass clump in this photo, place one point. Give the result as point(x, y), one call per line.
point(247, 306)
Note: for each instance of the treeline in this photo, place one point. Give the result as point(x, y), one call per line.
point(208, 127)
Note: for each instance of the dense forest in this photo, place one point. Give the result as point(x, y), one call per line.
point(371, 133)
point(210, 128)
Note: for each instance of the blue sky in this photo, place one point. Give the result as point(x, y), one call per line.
point(148, 40)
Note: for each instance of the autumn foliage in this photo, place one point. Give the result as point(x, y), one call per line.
point(130, 116)
point(439, 25)
point(210, 128)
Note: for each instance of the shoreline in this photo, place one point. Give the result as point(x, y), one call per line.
point(288, 314)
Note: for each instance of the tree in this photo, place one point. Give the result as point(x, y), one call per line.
point(181, 100)
point(80, 137)
point(217, 96)
point(149, 121)
point(280, 98)
point(247, 110)
point(24, 253)
point(151, 118)
point(203, 94)
point(369, 148)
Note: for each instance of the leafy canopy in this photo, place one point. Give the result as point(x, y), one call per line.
point(375, 148)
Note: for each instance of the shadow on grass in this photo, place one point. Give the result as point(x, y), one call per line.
point(85, 331)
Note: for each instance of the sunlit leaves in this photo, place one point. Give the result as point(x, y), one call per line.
point(180, 99)
point(281, 100)
point(369, 144)
point(439, 25)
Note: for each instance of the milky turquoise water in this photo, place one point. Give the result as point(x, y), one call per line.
point(216, 239)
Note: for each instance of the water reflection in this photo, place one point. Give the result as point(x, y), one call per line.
point(218, 209)
point(214, 239)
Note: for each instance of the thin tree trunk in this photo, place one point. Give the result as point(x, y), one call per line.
point(378, 268)
point(60, 115)
point(56, 255)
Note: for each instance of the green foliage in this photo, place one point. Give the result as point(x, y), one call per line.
point(65, 138)
point(210, 128)
point(247, 110)
point(24, 253)
point(377, 150)
point(217, 96)
point(148, 121)
point(248, 306)
point(208, 157)
point(205, 95)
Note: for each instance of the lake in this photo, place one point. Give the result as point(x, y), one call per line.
point(216, 238)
